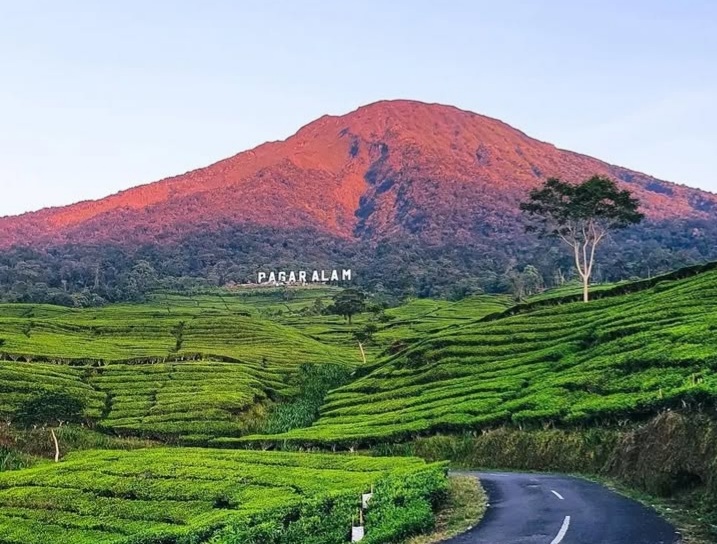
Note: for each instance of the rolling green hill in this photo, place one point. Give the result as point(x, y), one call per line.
point(546, 376)
point(177, 367)
point(622, 357)
point(169, 328)
point(193, 401)
point(192, 368)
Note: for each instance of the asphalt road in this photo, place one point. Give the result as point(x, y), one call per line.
point(548, 509)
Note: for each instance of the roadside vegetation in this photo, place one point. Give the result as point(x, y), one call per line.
point(464, 507)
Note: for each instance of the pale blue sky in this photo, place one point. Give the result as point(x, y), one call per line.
point(100, 96)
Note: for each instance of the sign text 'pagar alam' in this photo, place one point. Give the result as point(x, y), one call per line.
point(304, 276)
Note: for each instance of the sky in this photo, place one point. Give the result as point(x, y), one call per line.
point(96, 97)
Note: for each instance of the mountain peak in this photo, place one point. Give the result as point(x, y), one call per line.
point(389, 168)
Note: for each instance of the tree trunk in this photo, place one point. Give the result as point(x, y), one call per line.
point(57, 446)
point(586, 288)
point(363, 353)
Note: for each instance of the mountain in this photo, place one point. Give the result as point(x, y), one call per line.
point(434, 178)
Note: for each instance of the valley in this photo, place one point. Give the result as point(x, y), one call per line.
point(549, 384)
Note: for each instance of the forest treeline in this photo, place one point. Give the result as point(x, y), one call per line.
point(505, 261)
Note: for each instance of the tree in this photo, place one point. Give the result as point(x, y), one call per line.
point(53, 409)
point(142, 279)
point(365, 335)
point(348, 303)
point(581, 215)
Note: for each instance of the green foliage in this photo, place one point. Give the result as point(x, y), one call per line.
point(348, 303)
point(403, 506)
point(51, 408)
point(313, 383)
point(167, 328)
point(33, 445)
point(581, 216)
point(182, 496)
point(175, 368)
point(563, 208)
point(12, 460)
point(366, 333)
point(621, 358)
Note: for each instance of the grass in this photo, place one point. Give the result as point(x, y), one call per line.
point(192, 369)
point(521, 384)
point(176, 495)
point(176, 368)
point(465, 506)
point(615, 359)
point(169, 328)
point(190, 400)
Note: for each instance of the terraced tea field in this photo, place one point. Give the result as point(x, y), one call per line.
point(179, 367)
point(617, 358)
point(189, 367)
point(409, 321)
point(412, 321)
point(169, 328)
point(192, 400)
point(181, 495)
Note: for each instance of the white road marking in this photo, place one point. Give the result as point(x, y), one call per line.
point(557, 495)
point(563, 530)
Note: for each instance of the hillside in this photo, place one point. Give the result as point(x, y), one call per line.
point(622, 387)
point(196, 368)
point(413, 196)
point(176, 368)
point(620, 358)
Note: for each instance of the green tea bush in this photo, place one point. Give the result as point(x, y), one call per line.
point(623, 357)
point(189, 495)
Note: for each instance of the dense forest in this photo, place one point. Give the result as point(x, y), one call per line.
point(506, 261)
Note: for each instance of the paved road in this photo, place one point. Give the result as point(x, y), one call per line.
point(547, 509)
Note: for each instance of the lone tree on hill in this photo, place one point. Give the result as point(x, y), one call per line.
point(348, 302)
point(53, 409)
point(581, 215)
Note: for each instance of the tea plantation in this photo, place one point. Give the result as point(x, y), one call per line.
point(192, 368)
point(179, 495)
point(619, 358)
point(211, 369)
point(168, 328)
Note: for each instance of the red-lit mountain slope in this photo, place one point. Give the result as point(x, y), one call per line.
point(386, 169)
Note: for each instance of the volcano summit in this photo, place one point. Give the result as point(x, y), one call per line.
point(419, 193)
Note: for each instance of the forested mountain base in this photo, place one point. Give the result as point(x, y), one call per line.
point(493, 260)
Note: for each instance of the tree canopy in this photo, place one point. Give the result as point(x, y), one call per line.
point(348, 303)
point(581, 215)
point(51, 408)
